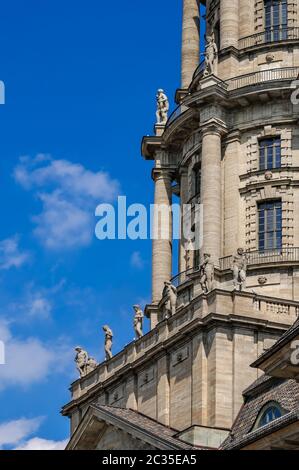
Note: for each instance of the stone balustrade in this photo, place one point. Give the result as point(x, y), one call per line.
point(190, 315)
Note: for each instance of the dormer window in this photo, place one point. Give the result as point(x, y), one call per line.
point(276, 20)
point(269, 413)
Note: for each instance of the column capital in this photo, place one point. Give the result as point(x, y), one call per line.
point(162, 173)
point(234, 136)
point(214, 127)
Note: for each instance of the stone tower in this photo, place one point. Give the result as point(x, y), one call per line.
point(232, 145)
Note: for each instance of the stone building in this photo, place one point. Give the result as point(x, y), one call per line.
point(232, 145)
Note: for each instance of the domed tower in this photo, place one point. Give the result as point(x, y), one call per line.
point(232, 146)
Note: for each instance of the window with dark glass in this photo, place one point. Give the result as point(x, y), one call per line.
point(196, 260)
point(270, 225)
point(268, 414)
point(197, 179)
point(276, 19)
point(270, 153)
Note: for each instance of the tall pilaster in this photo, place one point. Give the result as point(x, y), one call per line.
point(229, 23)
point(162, 233)
point(211, 190)
point(190, 41)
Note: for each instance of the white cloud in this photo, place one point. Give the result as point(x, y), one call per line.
point(36, 443)
point(136, 260)
point(13, 432)
point(28, 361)
point(68, 193)
point(10, 254)
point(39, 307)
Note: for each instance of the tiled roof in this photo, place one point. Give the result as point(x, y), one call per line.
point(284, 392)
point(146, 424)
point(292, 332)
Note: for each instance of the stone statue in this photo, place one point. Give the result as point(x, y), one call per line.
point(239, 269)
point(91, 365)
point(207, 274)
point(138, 321)
point(211, 55)
point(81, 361)
point(108, 342)
point(170, 294)
point(162, 107)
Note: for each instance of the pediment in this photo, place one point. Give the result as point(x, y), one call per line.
point(109, 428)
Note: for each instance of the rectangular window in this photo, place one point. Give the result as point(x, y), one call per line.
point(276, 20)
point(197, 180)
point(270, 153)
point(270, 225)
point(196, 260)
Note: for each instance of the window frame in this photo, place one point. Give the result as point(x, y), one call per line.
point(264, 161)
point(264, 241)
point(262, 413)
point(275, 20)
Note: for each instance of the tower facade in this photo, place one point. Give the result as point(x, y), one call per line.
point(231, 145)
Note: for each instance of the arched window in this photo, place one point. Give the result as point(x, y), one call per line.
point(269, 413)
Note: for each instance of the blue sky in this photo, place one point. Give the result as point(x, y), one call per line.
point(81, 79)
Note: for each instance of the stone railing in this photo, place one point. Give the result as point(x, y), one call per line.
point(268, 36)
point(251, 79)
point(176, 113)
point(283, 255)
point(263, 76)
point(200, 69)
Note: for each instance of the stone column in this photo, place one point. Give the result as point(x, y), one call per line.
point(162, 233)
point(232, 239)
point(246, 23)
point(229, 23)
point(211, 191)
point(190, 41)
point(184, 194)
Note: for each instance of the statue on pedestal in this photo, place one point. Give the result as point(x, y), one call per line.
point(81, 361)
point(207, 274)
point(170, 295)
point(162, 107)
point(239, 269)
point(138, 321)
point(211, 55)
point(108, 342)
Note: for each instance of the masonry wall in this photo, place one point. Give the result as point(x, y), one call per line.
point(199, 382)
